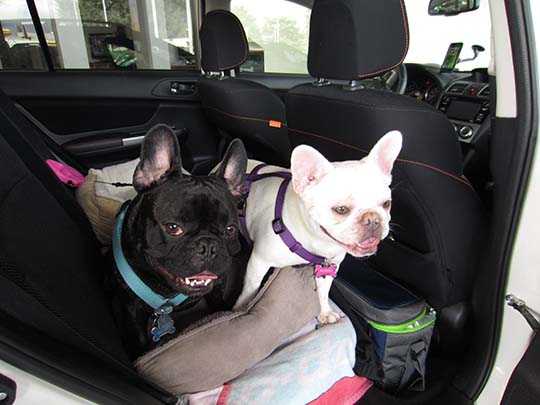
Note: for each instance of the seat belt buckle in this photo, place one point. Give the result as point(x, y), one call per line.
point(66, 174)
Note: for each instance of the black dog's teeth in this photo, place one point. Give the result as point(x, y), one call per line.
point(196, 282)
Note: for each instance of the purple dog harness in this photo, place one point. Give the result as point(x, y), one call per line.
point(322, 268)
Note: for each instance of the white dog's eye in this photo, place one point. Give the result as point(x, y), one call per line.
point(341, 210)
point(173, 229)
point(387, 204)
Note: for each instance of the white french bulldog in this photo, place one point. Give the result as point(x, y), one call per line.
point(332, 209)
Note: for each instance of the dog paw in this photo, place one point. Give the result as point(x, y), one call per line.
point(328, 317)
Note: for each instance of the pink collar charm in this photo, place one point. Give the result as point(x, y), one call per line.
point(323, 271)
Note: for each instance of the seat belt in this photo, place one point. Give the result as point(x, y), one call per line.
point(60, 154)
point(29, 146)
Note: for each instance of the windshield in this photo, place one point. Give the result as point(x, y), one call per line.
point(431, 35)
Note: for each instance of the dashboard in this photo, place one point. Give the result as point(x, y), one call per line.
point(423, 84)
point(466, 104)
point(424, 89)
point(463, 97)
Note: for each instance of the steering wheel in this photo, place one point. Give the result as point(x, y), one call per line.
point(396, 79)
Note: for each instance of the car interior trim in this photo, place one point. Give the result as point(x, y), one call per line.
point(504, 62)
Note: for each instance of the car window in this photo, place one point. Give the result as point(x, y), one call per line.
point(19, 45)
point(431, 35)
point(111, 35)
point(278, 35)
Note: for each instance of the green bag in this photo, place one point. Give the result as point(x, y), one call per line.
point(394, 327)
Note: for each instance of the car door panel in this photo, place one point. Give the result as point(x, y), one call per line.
point(101, 117)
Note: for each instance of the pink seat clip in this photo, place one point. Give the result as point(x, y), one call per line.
point(66, 174)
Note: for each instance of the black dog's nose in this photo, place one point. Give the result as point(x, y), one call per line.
point(207, 249)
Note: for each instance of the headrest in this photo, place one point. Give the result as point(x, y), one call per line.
point(223, 41)
point(355, 39)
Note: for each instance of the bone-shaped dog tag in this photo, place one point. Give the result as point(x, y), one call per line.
point(163, 325)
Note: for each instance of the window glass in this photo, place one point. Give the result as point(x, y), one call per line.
point(19, 44)
point(119, 34)
point(431, 35)
point(278, 35)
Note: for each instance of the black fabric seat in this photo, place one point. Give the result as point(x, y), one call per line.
point(53, 307)
point(239, 108)
point(438, 222)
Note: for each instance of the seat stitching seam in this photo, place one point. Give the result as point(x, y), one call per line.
point(425, 165)
point(370, 106)
point(266, 121)
point(13, 186)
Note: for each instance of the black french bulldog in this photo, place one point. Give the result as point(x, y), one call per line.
point(179, 235)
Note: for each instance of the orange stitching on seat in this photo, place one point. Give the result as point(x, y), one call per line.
point(466, 182)
point(328, 139)
point(425, 165)
point(405, 26)
point(268, 122)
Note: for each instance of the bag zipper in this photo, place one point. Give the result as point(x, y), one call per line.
point(424, 320)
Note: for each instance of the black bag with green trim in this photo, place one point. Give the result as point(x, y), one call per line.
point(394, 326)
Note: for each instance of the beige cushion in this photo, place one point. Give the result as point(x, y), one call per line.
point(224, 345)
point(101, 211)
point(101, 201)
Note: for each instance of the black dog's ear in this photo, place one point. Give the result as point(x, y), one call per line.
point(233, 167)
point(160, 153)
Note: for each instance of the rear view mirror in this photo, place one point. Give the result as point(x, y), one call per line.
point(452, 7)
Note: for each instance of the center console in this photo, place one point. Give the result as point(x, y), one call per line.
point(466, 104)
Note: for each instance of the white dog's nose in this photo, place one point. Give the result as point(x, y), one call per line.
point(371, 220)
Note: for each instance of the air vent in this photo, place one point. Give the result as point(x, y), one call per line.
point(457, 88)
point(484, 91)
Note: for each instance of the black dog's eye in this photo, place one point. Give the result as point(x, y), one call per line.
point(173, 229)
point(341, 210)
point(387, 204)
point(230, 230)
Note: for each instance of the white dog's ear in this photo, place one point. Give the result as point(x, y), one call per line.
point(386, 151)
point(308, 167)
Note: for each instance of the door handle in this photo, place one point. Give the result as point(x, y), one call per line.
point(132, 140)
point(181, 134)
point(182, 88)
point(112, 143)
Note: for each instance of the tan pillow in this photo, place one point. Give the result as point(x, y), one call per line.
point(223, 347)
point(101, 211)
point(101, 201)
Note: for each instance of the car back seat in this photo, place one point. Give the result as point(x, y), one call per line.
point(55, 319)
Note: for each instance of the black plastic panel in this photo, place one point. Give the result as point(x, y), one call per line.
point(91, 84)
point(68, 115)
